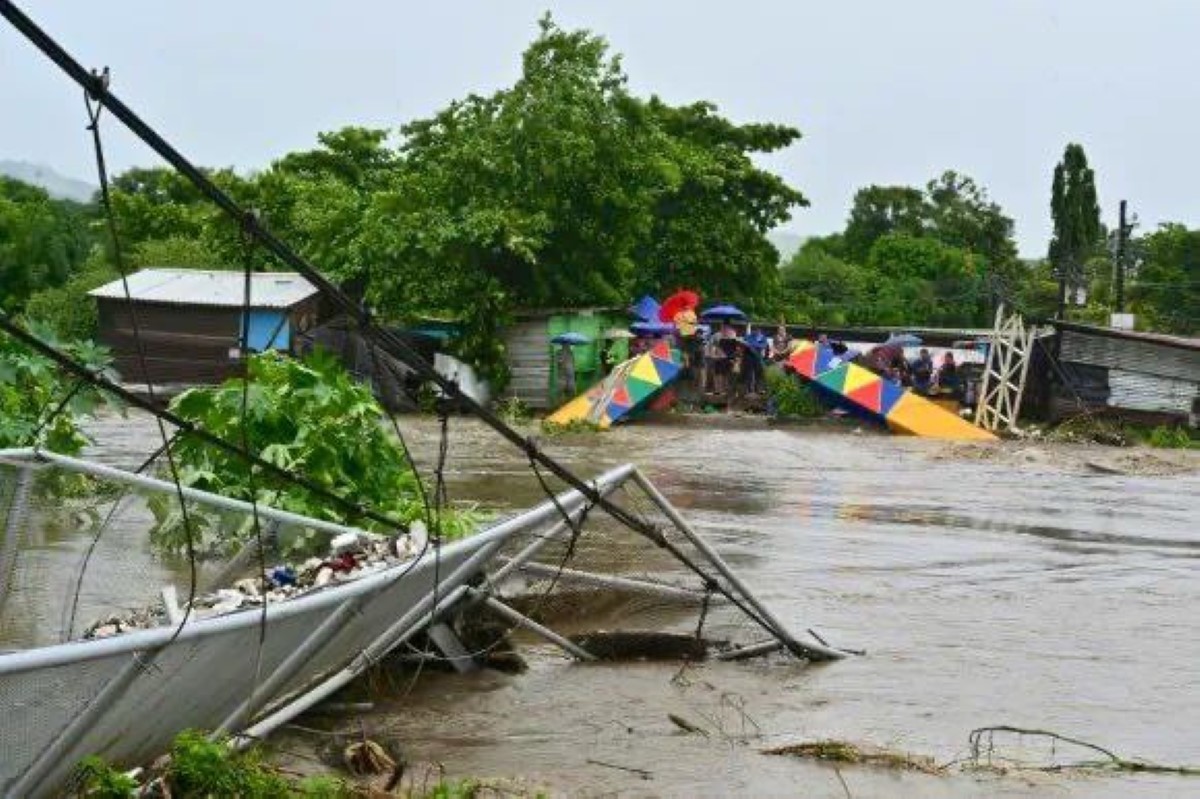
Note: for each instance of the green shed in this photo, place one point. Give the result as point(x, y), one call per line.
point(531, 361)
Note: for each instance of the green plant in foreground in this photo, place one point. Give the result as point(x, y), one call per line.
point(311, 418)
point(1165, 437)
point(99, 780)
point(790, 397)
point(573, 426)
point(31, 387)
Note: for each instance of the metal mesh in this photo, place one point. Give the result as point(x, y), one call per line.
point(140, 677)
point(126, 693)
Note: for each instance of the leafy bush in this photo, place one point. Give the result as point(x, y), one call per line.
point(790, 397)
point(98, 780)
point(513, 410)
point(31, 387)
point(201, 767)
point(311, 418)
point(1165, 437)
point(67, 309)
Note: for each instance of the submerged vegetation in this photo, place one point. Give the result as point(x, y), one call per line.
point(307, 416)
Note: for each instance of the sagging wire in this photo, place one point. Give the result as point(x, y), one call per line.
point(432, 518)
point(252, 489)
point(92, 97)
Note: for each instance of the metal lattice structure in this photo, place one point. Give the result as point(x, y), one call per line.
point(1010, 347)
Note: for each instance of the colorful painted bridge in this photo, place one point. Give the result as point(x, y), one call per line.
point(900, 409)
point(632, 385)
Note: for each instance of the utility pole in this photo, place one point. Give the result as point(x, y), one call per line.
point(1119, 277)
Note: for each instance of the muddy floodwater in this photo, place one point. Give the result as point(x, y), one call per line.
point(1044, 586)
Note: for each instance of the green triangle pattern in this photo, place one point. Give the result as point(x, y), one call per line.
point(639, 389)
point(834, 379)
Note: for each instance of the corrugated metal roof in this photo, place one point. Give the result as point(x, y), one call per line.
point(211, 287)
point(1182, 342)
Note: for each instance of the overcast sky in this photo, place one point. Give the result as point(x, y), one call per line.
point(884, 91)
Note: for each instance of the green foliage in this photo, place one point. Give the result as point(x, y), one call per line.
point(513, 410)
point(942, 255)
point(792, 398)
point(201, 767)
point(454, 789)
point(42, 241)
point(31, 387)
point(309, 417)
point(1165, 437)
point(98, 780)
point(324, 787)
point(561, 190)
point(881, 210)
point(67, 309)
point(1076, 214)
point(1165, 293)
point(568, 428)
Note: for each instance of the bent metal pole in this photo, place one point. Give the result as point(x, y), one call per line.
point(803, 649)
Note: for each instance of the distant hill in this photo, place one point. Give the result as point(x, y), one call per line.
point(57, 185)
point(786, 242)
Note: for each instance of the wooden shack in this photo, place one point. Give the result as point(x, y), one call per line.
point(189, 322)
point(532, 368)
point(1145, 377)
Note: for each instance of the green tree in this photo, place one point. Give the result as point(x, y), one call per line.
point(820, 287)
point(710, 226)
point(880, 210)
point(42, 241)
point(1076, 214)
point(930, 282)
point(1166, 292)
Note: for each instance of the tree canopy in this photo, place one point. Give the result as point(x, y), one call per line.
point(939, 255)
point(42, 241)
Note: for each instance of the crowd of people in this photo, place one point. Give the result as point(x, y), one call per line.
point(730, 358)
point(922, 374)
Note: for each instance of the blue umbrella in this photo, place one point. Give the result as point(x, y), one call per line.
point(904, 340)
point(652, 328)
point(718, 312)
point(645, 309)
point(571, 339)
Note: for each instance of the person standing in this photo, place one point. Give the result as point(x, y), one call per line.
point(566, 371)
point(781, 344)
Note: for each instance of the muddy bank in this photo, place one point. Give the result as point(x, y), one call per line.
point(1078, 458)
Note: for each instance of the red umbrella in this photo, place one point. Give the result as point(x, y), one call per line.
point(677, 302)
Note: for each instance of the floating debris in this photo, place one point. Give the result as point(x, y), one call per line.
point(644, 645)
point(352, 556)
point(835, 751)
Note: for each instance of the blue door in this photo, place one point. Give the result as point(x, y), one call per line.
point(269, 329)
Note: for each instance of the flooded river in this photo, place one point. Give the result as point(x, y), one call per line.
point(1037, 586)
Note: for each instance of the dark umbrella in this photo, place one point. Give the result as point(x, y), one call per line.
point(680, 300)
point(720, 312)
point(571, 339)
